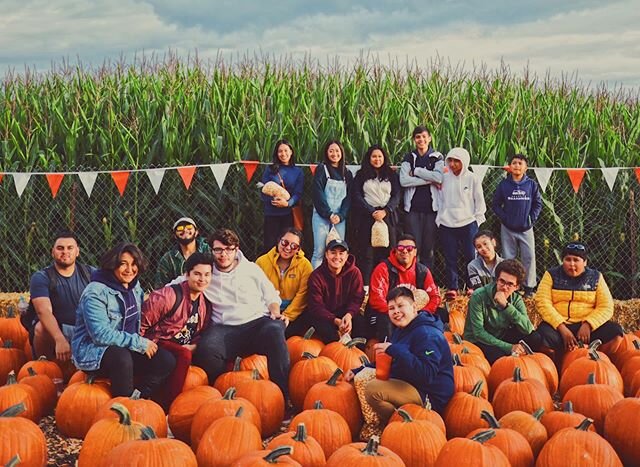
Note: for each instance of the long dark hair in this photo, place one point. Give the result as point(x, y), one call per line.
point(110, 260)
point(342, 168)
point(367, 171)
point(275, 162)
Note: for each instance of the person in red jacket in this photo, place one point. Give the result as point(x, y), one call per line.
point(335, 295)
point(401, 268)
point(174, 316)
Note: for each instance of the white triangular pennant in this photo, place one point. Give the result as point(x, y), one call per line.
point(353, 169)
point(220, 172)
point(155, 177)
point(20, 180)
point(543, 175)
point(610, 174)
point(88, 179)
point(480, 171)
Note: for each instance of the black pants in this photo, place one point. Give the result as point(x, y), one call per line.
point(552, 338)
point(367, 257)
point(263, 336)
point(273, 227)
point(512, 336)
point(422, 225)
point(327, 331)
point(122, 365)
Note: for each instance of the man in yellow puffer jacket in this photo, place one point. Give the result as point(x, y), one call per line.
point(575, 304)
point(288, 270)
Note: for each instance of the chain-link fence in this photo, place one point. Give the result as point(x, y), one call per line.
point(607, 220)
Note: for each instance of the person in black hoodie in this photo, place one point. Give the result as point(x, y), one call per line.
point(422, 367)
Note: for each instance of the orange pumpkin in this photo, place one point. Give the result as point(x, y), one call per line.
point(41, 366)
point(256, 362)
point(143, 411)
point(630, 342)
point(548, 367)
point(307, 372)
point(502, 370)
point(80, 377)
point(369, 454)
point(629, 370)
point(184, 408)
point(510, 442)
point(634, 387)
point(278, 456)
point(529, 426)
point(11, 329)
point(570, 357)
point(567, 418)
point(298, 345)
point(14, 393)
point(466, 377)
point(196, 376)
point(474, 359)
point(78, 405)
point(593, 400)
point(231, 378)
point(44, 389)
point(21, 436)
point(456, 321)
point(472, 452)
point(267, 397)
point(328, 428)
point(617, 429)
point(11, 359)
point(623, 356)
point(520, 393)
point(346, 356)
point(458, 343)
point(420, 412)
point(462, 413)
point(605, 373)
point(306, 449)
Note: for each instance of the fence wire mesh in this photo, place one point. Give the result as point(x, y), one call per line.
point(607, 220)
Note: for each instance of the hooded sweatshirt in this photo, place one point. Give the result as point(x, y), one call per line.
point(332, 296)
point(422, 358)
point(460, 200)
point(517, 204)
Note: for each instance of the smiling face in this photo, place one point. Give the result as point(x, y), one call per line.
point(486, 248)
point(288, 245)
point(199, 277)
point(336, 258)
point(127, 269)
point(376, 159)
point(65, 251)
point(573, 265)
point(402, 311)
point(284, 154)
point(334, 154)
point(422, 140)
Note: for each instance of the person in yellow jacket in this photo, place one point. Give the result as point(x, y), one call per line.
point(288, 270)
point(575, 304)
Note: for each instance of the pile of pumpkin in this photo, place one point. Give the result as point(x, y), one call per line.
point(500, 415)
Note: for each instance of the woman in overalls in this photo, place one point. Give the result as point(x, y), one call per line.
point(330, 198)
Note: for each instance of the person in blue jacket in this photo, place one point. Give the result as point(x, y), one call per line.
point(517, 203)
point(107, 339)
point(278, 214)
point(330, 193)
point(422, 366)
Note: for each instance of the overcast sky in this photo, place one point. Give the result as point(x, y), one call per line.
point(597, 39)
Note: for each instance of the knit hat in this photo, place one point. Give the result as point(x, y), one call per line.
point(575, 249)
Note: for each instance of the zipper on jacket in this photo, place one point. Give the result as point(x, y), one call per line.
point(569, 306)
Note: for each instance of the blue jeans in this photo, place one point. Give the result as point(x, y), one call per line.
point(455, 240)
point(321, 227)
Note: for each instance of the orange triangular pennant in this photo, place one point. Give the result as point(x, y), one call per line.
point(250, 167)
point(312, 167)
point(1, 175)
point(637, 174)
point(120, 179)
point(54, 182)
point(576, 176)
point(187, 173)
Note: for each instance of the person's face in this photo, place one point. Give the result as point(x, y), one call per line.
point(402, 311)
point(454, 165)
point(284, 154)
point(336, 257)
point(573, 265)
point(422, 140)
point(376, 159)
point(223, 255)
point(127, 269)
point(517, 167)
point(288, 245)
point(406, 252)
point(486, 247)
point(507, 283)
point(334, 154)
point(185, 233)
point(65, 251)
point(199, 277)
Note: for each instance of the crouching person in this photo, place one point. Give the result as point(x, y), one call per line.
point(174, 316)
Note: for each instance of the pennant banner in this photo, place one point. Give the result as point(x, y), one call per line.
point(155, 176)
point(480, 171)
point(54, 181)
point(638, 173)
point(250, 168)
point(187, 173)
point(353, 169)
point(576, 176)
point(220, 172)
point(1, 176)
point(312, 167)
point(20, 180)
point(610, 175)
point(88, 179)
point(543, 175)
point(120, 179)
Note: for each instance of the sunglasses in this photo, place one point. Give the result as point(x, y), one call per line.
point(407, 248)
point(576, 246)
point(182, 228)
point(286, 243)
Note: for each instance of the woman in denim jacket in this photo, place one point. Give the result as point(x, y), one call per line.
point(107, 338)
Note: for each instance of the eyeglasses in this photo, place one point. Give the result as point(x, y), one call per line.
point(286, 243)
point(182, 228)
point(576, 246)
point(504, 283)
point(407, 248)
point(229, 250)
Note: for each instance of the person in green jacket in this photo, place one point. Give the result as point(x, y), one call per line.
point(497, 318)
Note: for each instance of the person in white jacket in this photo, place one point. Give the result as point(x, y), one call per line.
point(461, 209)
point(246, 314)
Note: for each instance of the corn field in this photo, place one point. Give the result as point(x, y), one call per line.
point(171, 113)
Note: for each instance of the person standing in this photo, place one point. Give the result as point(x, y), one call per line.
point(517, 203)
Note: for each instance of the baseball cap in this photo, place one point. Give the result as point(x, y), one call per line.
point(337, 244)
point(184, 220)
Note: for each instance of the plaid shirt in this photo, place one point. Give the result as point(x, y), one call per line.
point(171, 265)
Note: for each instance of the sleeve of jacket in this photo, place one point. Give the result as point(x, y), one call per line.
point(269, 293)
point(536, 203)
point(299, 302)
point(431, 176)
point(432, 290)
point(473, 274)
point(474, 330)
point(407, 179)
point(346, 202)
point(163, 271)
point(155, 307)
point(478, 199)
point(379, 288)
point(317, 192)
point(517, 312)
point(497, 203)
point(356, 292)
point(420, 368)
point(396, 194)
point(544, 302)
point(357, 194)
point(93, 306)
point(298, 188)
point(604, 305)
point(316, 297)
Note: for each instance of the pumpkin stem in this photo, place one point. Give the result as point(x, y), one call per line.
point(309, 333)
point(364, 359)
point(593, 354)
point(355, 341)
point(11, 378)
point(526, 347)
point(308, 355)
point(456, 360)
point(317, 405)
point(43, 358)
point(427, 403)
point(7, 344)
point(591, 379)
point(484, 436)
point(272, 457)
point(255, 374)
point(236, 364)
point(11, 312)
point(538, 414)
point(147, 433)
point(334, 377)
point(636, 344)
point(406, 416)
point(490, 419)
point(585, 424)
point(230, 394)
point(457, 338)
point(31, 371)
point(90, 379)
point(239, 412)
point(568, 407)
point(123, 414)
point(14, 410)
point(477, 389)
point(465, 350)
point(371, 449)
point(301, 433)
point(517, 375)
point(15, 460)
point(135, 395)
point(595, 344)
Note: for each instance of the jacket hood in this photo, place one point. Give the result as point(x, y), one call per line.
point(348, 266)
point(524, 180)
point(425, 319)
point(460, 154)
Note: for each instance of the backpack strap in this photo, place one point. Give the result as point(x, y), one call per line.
point(85, 272)
point(177, 288)
point(421, 274)
point(50, 271)
point(393, 273)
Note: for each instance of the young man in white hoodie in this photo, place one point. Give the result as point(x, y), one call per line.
point(461, 209)
point(245, 313)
